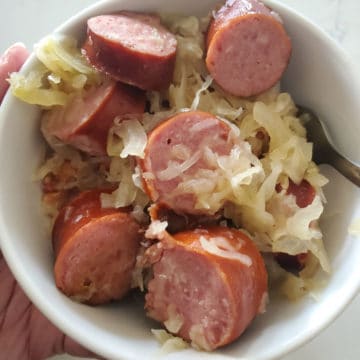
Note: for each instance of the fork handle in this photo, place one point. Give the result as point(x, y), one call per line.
point(346, 167)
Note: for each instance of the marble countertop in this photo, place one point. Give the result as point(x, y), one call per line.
point(339, 18)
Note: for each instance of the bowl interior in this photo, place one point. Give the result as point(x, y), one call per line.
point(320, 77)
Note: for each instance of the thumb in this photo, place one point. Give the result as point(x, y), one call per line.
point(11, 61)
point(73, 348)
point(46, 340)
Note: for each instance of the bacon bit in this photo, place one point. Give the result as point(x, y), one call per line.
point(48, 183)
point(260, 142)
point(304, 193)
point(292, 263)
point(278, 188)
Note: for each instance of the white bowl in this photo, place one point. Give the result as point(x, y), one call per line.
point(319, 76)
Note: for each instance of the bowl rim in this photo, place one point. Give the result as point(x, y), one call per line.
point(25, 279)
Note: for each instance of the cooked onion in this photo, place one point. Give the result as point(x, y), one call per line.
point(62, 72)
point(215, 246)
point(132, 137)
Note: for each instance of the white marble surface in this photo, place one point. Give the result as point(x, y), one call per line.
point(29, 20)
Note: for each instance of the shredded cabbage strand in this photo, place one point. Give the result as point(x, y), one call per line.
point(62, 71)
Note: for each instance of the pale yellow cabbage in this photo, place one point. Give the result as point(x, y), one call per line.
point(169, 343)
point(127, 193)
point(30, 88)
point(87, 172)
point(242, 184)
point(126, 138)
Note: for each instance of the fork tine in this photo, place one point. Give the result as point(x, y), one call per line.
point(323, 150)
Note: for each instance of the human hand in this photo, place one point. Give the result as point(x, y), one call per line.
point(25, 334)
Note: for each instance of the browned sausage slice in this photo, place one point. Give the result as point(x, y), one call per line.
point(247, 48)
point(176, 152)
point(133, 48)
point(85, 122)
point(208, 286)
point(95, 250)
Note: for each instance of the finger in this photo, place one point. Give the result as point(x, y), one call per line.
point(24, 332)
point(73, 348)
point(7, 285)
point(14, 316)
point(11, 61)
point(46, 340)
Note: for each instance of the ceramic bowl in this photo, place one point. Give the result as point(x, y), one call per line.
point(319, 76)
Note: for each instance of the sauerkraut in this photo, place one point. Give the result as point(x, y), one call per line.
point(249, 186)
point(250, 197)
point(169, 343)
point(61, 72)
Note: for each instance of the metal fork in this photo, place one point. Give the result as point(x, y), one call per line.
point(323, 150)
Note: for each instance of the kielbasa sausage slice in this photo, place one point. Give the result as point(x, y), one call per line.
point(177, 151)
point(95, 250)
point(133, 48)
point(208, 286)
point(85, 122)
point(247, 48)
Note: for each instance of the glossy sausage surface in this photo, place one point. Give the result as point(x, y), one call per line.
point(248, 48)
point(85, 122)
point(133, 48)
point(95, 249)
point(208, 296)
point(176, 152)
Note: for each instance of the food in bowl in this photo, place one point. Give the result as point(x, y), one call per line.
point(205, 197)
